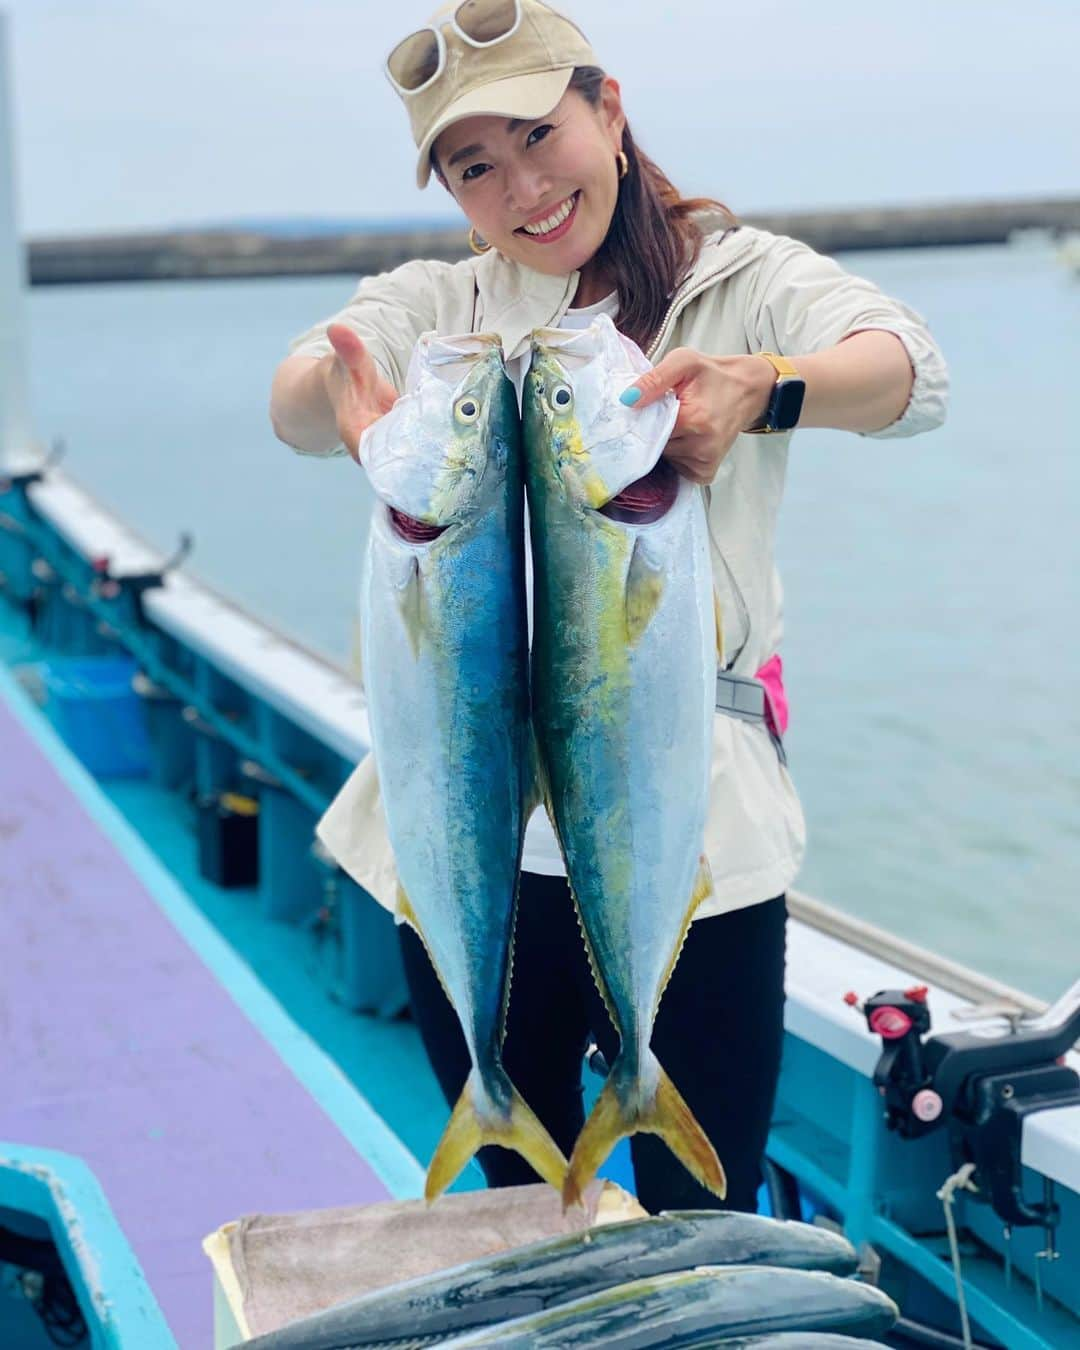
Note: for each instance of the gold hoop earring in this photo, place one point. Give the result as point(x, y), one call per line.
point(623, 163)
point(476, 243)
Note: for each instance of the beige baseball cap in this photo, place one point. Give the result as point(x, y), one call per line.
point(501, 58)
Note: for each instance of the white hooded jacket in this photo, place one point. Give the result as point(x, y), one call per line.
point(749, 291)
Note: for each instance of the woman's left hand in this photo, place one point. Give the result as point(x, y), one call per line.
point(719, 396)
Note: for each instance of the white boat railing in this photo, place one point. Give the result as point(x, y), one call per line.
point(919, 961)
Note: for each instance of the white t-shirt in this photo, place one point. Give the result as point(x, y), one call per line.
point(541, 853)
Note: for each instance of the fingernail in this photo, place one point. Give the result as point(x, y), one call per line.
point(630, 396)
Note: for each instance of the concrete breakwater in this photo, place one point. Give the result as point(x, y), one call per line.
point(204, 254)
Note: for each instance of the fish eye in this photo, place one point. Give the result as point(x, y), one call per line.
point(466, 410)
point(561, 398)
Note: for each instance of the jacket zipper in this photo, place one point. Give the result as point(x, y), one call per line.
point(679, 300)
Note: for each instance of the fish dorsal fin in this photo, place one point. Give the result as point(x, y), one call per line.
point(644, 589)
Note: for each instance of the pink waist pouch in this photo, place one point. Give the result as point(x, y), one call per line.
point(771, 677)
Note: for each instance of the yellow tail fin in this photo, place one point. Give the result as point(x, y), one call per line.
point(467, 1131)
point(668, 1116)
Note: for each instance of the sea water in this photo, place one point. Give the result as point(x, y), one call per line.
point(932, 585)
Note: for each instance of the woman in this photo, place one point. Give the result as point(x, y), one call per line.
point(511, 111)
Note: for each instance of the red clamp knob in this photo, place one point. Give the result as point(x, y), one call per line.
point(851, 999)
point(890, 1023)
point(917, 993)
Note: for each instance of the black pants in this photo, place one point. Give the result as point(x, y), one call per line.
point(718, 1034)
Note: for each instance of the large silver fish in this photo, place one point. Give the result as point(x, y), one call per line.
point(558, 1270)
point(624, 655)
point(446, 675)
point(698, 1308)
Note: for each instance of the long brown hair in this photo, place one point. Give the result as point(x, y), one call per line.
point(653, 240)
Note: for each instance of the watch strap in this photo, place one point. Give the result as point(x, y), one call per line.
point(784, 371)
point(783, 367)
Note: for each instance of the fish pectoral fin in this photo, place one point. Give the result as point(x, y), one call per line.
point(468, 1130)
point(718, 618)
point(644, 589)
point(410, 598)
point(667, 1116)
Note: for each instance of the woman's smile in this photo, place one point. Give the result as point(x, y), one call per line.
point(545, 229)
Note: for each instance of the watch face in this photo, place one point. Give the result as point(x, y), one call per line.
point(786, 404)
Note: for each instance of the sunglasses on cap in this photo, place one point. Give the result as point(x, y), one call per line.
point(419, 59)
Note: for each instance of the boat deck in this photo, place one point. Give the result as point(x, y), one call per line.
point(133, 1042)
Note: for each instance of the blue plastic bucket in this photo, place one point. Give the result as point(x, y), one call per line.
point(99, 715)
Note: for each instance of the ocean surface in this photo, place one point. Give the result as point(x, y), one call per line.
point(932, 585)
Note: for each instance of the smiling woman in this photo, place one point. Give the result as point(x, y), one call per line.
point(511, 109)
point(576, 179)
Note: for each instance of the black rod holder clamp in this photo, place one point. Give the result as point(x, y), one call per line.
point(979, 1085)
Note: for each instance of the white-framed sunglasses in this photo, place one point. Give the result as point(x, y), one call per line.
point(419, 59)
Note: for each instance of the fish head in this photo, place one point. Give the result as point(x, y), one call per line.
point(444, 446)
point(587, 444)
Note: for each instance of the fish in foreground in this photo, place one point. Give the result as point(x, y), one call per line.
point(446, 677)
point(623, 670)
point(697, 1308)
point(557, 1270)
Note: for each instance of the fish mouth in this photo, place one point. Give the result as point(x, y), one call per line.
point(413, 531)
point(647, 499)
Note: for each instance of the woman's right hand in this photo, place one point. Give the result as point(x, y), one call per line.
point(358, 393)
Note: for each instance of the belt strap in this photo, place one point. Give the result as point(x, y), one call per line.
point(743, 697)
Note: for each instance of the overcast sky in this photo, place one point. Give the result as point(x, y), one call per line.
point(134, 114)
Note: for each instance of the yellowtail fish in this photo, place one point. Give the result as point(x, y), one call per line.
point(446, 675)
point(702, 1308)
point(554, 1271)
point(623, 670)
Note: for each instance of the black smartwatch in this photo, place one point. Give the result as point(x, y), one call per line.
point(786, 400)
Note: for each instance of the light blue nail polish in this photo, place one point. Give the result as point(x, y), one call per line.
point(630, 396)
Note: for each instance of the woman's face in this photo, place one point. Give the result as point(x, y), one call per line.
point(511, 178)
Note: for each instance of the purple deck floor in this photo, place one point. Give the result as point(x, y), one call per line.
point(118, 1045)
